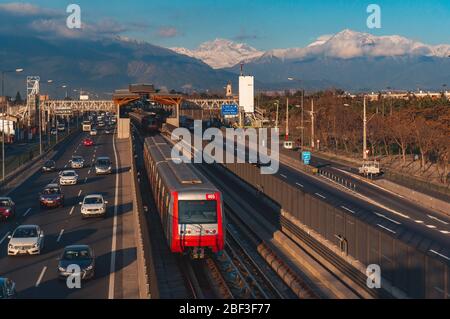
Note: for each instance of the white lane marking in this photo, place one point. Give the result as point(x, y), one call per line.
point(348, 209)
point(367, 182)
point(389, 219)
point(320, 195)
point(71, 210)
point(89, 171)
point(79, 193)
point(282, 175)
point(59, 236)
point(390, 230)
point(85, 179)
point(38, 282)
point(431, 226)
point(4, 237)
point(445, 232)
point(439, 220)
point(27, 212)
point(298, 184)
point(419, 221)
point(65, 166)
point(443, 256)
point(112, 268)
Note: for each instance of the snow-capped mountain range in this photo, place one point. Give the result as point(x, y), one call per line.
point(221, 53)
point(346, 44)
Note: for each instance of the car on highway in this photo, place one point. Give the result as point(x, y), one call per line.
point(93, 132)
point(103, 165)
point(7, 288)
point(26, 239)
point(51, 196)
point(93, 206)
point(101, 124)
point(77, 256)
point(108, 130)
point(49, 166)
point(61, 127)
point(77, 162)
point(53, 131)
point(7, 208)
point(68, 177)
point(88, 142)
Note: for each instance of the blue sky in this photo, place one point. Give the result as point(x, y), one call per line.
point(264, 24)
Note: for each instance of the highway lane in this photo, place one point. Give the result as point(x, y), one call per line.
point(397, 205)
point(36, 276)
point(390, 221)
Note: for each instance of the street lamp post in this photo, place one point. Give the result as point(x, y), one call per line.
point(276, 116)
point(286, 138)
point(18, 70)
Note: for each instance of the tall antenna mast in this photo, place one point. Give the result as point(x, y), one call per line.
point(242, 69)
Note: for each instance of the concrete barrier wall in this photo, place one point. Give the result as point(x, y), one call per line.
point(142, 239)
point(404, 267)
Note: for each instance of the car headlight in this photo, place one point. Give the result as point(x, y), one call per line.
point(36, 245)
point(10, 246)
point(61, 269)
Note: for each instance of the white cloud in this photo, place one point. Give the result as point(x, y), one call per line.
point(167, 32)
point(27, 9)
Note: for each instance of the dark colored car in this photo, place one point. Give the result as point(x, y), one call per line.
point(7, 208)
point(51, 196)
point(77, 255)
point(7, 288)
point(49, 166)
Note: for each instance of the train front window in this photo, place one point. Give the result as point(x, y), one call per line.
point(197, 212)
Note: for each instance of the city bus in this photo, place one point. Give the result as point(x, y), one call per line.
point(86, 126)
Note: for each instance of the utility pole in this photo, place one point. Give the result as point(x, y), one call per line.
point(312, 123)
point(303, 123)
point(276, 117)
point(40, 129)
point(364, 131)
point(287, 119)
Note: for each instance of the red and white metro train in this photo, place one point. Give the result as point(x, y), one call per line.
point(190, 207)
point(148, 121)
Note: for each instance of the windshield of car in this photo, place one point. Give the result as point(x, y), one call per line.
point(51, 191)
point(77, 159)
point(68, 174)
point(25, 233)
point(5, 202)
point(93, 200)
point(103, 162)
point(49, 163)
point(74, 254)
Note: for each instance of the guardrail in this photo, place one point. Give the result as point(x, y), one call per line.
point(148, 285)
point(30, 160)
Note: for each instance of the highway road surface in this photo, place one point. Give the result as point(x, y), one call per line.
point(384, 209)
point(36, 276)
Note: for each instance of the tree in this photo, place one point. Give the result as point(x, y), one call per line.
point(18, 99)
point(400, 129)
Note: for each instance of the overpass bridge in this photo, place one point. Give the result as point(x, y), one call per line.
point(79, 106)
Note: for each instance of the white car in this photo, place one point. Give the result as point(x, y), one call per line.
point(77, 162)
point(68, 177)
point(93, 132)
point(93, 206)
point(26, 239)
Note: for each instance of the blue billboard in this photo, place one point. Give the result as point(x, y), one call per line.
point(230, 109)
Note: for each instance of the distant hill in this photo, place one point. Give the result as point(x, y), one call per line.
point(348, 60)
point(105, 65)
